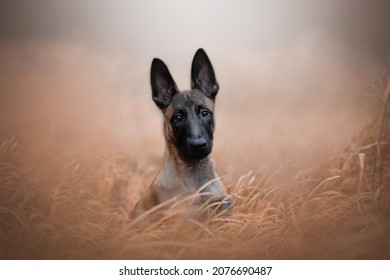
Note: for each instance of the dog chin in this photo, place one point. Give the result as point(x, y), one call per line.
point(194, 157)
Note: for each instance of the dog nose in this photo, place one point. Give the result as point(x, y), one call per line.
point(198, 144)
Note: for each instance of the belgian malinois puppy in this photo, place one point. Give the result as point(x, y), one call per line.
point(188, 130)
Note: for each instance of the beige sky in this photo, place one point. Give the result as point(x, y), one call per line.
point(173, 25)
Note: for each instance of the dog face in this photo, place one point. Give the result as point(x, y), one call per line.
point(191, 125)
point(189, 115)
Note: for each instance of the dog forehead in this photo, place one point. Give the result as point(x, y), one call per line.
point(190, 98)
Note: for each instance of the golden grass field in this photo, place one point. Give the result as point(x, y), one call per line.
point(307, 163)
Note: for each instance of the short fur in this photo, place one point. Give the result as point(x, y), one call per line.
point(188, 131)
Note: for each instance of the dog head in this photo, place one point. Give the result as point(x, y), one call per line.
point(188, 115)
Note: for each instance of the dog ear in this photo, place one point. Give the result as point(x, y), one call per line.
point(203, 76)
point(163, 85)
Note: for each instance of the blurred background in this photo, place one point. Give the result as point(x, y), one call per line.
point(164, 27)
point(298, 79)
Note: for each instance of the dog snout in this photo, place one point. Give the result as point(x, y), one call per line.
point(197, 145)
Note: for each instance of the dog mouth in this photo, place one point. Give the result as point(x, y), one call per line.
point(199, 155)
point(191, 156)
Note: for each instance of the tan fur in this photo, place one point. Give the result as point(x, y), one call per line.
point(176, 178)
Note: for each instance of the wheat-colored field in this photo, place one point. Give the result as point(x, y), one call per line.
point(305, 158)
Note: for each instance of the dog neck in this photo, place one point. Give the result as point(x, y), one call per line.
point(178, 177)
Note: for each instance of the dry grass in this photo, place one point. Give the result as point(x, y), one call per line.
point(68, 184)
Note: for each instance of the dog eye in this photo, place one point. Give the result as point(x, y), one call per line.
point(205, 113)
point(177, 117)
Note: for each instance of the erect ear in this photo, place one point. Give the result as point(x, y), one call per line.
point(163, 85)
point(202, 75)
